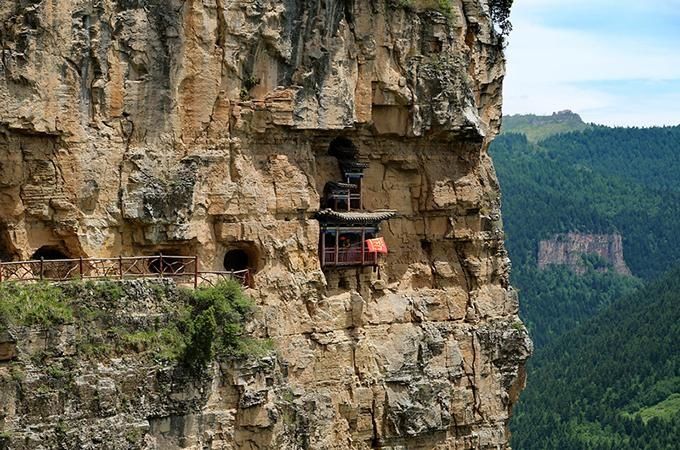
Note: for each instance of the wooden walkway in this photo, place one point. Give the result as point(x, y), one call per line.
point(183, 269)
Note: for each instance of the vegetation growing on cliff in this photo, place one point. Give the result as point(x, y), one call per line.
point(499, 10)
point(201, 325)
point(443, 6)
point(33, 304)
point(214, 326)
point(500, 14)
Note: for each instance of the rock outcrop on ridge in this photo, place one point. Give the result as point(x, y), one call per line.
point(570, 248)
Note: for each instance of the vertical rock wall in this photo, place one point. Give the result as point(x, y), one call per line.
point(197, 127)
point(569, 249)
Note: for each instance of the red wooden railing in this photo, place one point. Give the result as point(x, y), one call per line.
point(183, 269)
point(350, 256)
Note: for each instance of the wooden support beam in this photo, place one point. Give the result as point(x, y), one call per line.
point(337, 245)
point(323, 246)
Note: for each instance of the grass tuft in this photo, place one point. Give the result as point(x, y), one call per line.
point(33, 304)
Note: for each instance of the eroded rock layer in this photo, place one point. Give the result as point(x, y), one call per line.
point(199, 127)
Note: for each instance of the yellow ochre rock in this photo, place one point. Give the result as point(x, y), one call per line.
point(204, 127)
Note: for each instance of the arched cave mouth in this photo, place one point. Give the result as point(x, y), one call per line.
point(343, 148)
point(54, 267)
point(236, 260)
point(7, 251)
point(49, 252)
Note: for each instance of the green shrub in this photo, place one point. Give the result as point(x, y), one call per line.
point(208, 326)
point(167, 343)
point(443, 6)
point(207, 323)
point(33, 304)
point(500, 14)
point(106, 290)
point(56, 372)
point(17, 373)
point(216, 323)
point(5, 435)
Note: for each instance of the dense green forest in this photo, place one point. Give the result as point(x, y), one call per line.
point(646, 156)
point(596, 180)
point(544, 192)
point(557, 300)
point(611, 383)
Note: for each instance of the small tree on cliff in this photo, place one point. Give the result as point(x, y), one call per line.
point(500, 14)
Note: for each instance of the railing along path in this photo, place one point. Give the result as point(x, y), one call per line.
point(183, 269)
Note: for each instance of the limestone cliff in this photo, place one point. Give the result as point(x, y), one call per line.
point(199, 127)
point(570, 248)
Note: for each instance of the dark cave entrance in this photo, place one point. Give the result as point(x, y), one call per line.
point(343, 148)
point(7, 250)
point(237, 260)
point(53, 264)
point(49, 253)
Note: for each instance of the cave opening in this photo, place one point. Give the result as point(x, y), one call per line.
point(49, 252)
point(343, 148)
point(53, 265)
point(7, 250)
point(237, 260)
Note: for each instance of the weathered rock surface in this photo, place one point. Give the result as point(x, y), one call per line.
point(196, 127)
point(570, 248)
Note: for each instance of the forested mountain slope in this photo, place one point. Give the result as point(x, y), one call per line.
point(605, 373)
point(611, 383)
point(646, 156)
point(546, 192)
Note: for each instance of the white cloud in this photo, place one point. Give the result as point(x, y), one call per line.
point(550, 68)
point(658, 6)
point(545, 98)
point(538, 52)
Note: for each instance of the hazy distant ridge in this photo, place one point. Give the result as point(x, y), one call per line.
point(536, 127)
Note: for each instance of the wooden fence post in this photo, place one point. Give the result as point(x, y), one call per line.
point(195, 271)
point(337, 245)
point(80, 264)
point(120, 267)
point(42, 265)
point(363, 246)
point(323, 246)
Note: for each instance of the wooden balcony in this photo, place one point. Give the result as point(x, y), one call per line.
point(351, 256)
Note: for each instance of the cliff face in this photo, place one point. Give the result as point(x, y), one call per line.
point(569, 249)
point(199, 127)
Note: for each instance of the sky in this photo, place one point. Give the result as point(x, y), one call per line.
point(614, 62)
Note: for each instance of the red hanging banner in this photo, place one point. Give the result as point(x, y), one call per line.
point(376, 245)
